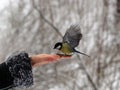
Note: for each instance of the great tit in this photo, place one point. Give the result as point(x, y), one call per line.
point(70, 41)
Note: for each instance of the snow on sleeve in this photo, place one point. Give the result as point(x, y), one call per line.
point(20, 69)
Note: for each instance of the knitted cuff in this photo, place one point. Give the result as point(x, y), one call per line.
point(20, 69)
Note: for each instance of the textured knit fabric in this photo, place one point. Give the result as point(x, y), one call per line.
point(6, 80)
point(20, 69)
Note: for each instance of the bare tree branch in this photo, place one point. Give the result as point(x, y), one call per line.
point(47, 21)
point(87, 74)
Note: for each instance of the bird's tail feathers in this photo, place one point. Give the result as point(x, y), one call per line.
point(81, 53)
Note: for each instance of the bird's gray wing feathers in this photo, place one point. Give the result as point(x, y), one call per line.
point(73, 35)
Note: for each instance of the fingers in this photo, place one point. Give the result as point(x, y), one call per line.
point(41, 59)
point(50, 57)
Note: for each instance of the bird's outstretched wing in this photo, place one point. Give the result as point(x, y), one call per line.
point(73, 35)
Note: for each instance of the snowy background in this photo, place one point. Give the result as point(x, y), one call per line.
point(33, 25)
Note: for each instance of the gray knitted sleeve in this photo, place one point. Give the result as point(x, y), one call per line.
point(20, 69)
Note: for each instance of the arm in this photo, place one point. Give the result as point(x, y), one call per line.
point(6, 80)
point(17, 70)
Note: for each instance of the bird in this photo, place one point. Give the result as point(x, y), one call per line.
point(70, 41)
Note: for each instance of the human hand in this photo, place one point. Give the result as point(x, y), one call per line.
point(41, 59)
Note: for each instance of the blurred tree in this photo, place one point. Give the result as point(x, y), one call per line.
point(36, 25)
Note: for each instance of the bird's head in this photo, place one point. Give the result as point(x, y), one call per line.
point(58, 45)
